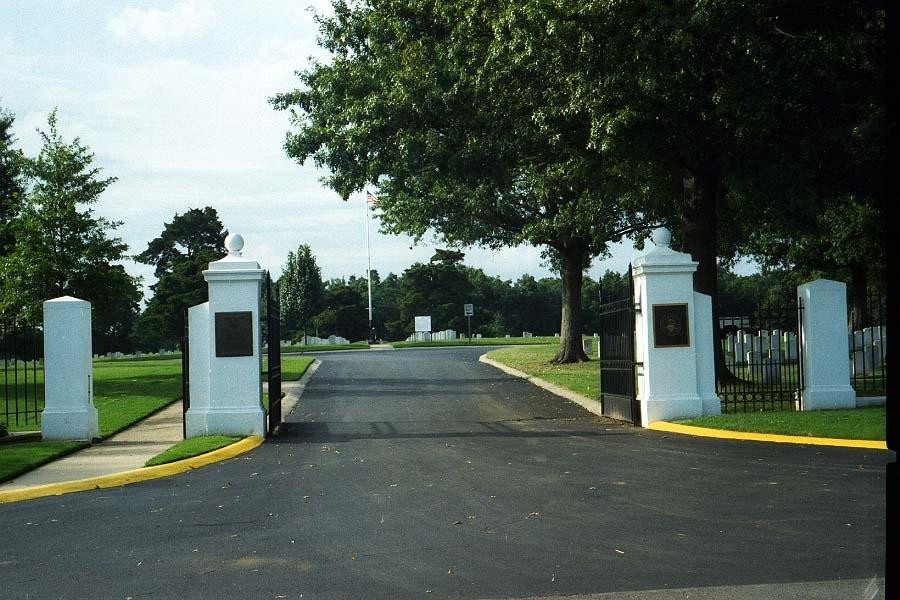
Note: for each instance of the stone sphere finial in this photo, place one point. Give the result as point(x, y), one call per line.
point(234, 242)
point(661, 236)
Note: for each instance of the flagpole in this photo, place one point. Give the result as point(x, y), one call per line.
point(369, 335)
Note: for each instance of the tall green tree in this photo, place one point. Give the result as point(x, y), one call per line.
point(179, 255)
point(63, 248)
point(461, 134)
point(755, 113)
point(300, 291)
point(12, 187)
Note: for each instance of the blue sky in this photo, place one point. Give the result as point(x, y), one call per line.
point(172, 99)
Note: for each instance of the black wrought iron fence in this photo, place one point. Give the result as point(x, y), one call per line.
point(762, 368)
point(273, 364)
point(867, 343)
point(22, 348)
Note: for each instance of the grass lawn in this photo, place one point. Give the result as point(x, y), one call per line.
point(293, 367)
point(854, 424)
point(125, 391)
point(504, 341)
point(859, 423)
point(192, 447)
point(583, 378)
point(18, 458)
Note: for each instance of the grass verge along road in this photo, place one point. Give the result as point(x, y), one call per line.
point(191, 447)
point(125, 391)
point(851, 424)
point(584, 378)
point(510, 341)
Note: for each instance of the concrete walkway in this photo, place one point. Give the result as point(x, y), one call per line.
point(127, 450)
point(130, 449)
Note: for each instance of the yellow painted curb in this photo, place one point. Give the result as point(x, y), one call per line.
point(133, 476)
point(765, 437)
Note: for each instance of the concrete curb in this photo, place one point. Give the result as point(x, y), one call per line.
point(294, 389)
point(594, 407)
point(133, 476)
point(589, 404)
point(764, 437)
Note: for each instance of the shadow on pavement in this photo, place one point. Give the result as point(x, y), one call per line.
point(386, 430)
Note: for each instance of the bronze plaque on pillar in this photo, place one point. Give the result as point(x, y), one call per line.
point(670, 326)
point(234, 333)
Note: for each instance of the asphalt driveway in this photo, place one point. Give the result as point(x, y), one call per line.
point(424, 473)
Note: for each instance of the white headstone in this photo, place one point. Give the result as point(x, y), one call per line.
point(826, 372)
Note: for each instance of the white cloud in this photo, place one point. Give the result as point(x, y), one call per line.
point(162, 26)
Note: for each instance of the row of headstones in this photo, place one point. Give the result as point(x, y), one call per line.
point(447, 334)
point(311, 340)
point(749, 348)
point(138, 353)
point(762, 353)
point(869, 347)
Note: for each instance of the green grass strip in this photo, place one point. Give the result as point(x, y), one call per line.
point(191, 447)
point(504, 341)
point(21, 457)
point(293, 367)
point(850, 424)
point(583, 378)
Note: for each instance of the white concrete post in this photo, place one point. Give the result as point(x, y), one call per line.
point(226, 389)
point(673, 376)
point(706, 355)
point(824, 352)
point(69, 412)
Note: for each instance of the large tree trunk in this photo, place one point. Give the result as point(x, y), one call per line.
point(571, 348)
point(700, 235)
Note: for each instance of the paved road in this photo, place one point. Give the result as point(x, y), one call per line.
point(424, 473)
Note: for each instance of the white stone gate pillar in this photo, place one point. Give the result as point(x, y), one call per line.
point(69, 412)
point(825, 350)
point(674, 341)
point(225, 356)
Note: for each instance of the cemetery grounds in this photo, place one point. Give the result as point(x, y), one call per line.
point(126, 390)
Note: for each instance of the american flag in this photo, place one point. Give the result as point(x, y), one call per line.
point(370, 198)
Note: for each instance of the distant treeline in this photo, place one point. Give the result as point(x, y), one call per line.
point(440, 288)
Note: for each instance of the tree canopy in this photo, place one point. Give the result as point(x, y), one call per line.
point(179, 256)
point(419, 100)
point(11, 182)
point(567, 124)
point(300, 291)
point(62, 248)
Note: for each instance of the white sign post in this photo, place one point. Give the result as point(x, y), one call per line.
point(423, 324)
point(468, 311)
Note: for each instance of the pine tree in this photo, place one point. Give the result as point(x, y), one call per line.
point(300, 291)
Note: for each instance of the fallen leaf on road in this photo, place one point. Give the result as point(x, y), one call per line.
point(456, 523)
point(619, 551)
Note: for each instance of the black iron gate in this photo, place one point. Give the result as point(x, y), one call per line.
point(22, 348)
point(759, 366)
point(185, 370)
point(618, 367)
point(273, 340)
